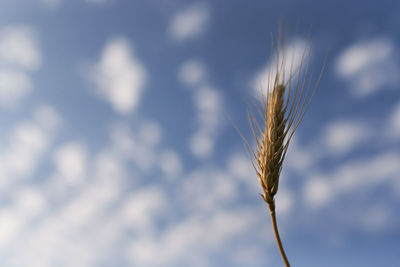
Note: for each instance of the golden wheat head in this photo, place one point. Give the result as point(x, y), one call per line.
point(288, 94)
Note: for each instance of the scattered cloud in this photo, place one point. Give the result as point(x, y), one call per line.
point(19, 55)
point(342, 136)
point(25, 205)
point(21, 155)
point(317, 191)
point(187, 242)
point(189, 23)
point(19, 48)
point(70, 161)
point(284, 202)
point(369, 66)
point(47, 117)
point(208, 103)
point(351, 176)
point(150, 133)
point(239, 166)
point(300, 158)
point(119, 76)
point(192, 73)
point(14, 86)
point(219, 188)
point(171, 164)
point(141, 207)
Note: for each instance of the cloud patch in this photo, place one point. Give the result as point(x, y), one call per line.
point(192, 73)
point(342, 136)
point(189, 23)
point(369, 66)
point(19, 55)
point(19, 48)
point(119, 76)
point(208, 103)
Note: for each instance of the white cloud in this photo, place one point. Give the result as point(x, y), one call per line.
point(352, 176)
point(14, 86)
point(150, 133)
point(30, 202)
point(189, 23)
point(23, 151)
point(137, 147)
point(299, 158)
point(192, 72)
point(369, 65)
point(10, 226)
point(27, 145)
point(219, 188)
point(295, 52)
point(201, 145)
point(342, 136)
point(107, 164)
point(170, 164)
point(208, 104)
point(70, 161)
point(26, 204)
point(47, 117)
point(19, 48)
point(19, 54)
point(240, 166)
point(188, 241)
point(318, 191)
point(119, 76)
point(91, 203)
point(284, 202)
point(142, 206)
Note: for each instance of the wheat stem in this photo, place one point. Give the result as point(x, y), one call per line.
point(278, 238)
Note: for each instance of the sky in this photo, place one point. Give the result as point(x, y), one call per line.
point(118, 144)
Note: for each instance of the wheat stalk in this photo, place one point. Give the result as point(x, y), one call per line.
point(288, 96)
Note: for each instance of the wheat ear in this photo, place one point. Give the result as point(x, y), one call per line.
point(288, 96)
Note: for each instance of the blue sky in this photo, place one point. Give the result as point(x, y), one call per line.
point(117, 147)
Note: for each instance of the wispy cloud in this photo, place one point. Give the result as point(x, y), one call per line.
point(351, 176)
point(189, 22)
point(208, 103)
point(188, 241)
point(26, 145)
point(119, 76)
point(70, 162)
point(171, 164)
point(192, 73)
point(369, 66)
point(14, 86)
point(19, 55)
point(19, 48)
point(342, 136)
